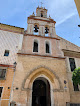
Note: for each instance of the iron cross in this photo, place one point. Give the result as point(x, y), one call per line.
point(41, 4)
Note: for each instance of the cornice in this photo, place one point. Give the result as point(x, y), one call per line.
point(50, 20)
point(5, 65)
point(11, 31)
point(41, 36)
point(65, 50)
point(11, 28)
point(70, 53)
point(41, 55)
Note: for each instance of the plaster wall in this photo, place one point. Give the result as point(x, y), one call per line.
point(9, 41)
point(5, 96)
point(64, 44)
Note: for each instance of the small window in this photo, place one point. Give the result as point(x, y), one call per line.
point(72, 64)
point(1, 88)
point(41, 14)
point(35, 47)
point(6, 53)
point(2, 73)
point(47, 48)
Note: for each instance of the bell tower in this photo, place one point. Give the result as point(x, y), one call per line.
point(40, 37)
point(40, 24)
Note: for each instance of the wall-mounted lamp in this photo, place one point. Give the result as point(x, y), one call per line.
point(15, 64)
point(65, 82)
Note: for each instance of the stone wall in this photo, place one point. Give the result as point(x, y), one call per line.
point(30, 67)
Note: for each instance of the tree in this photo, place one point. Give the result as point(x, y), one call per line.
point(76, 76)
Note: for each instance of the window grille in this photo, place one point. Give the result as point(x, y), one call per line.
point(2, 73)
point(1, 91)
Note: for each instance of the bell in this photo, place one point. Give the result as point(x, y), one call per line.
point(36, 28)
point(46, 30)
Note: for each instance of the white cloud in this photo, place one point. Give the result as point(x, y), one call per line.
point(66, 18)
point(61, 10)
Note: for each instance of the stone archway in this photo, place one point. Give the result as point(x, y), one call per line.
point(41, 92)
point(41, 72)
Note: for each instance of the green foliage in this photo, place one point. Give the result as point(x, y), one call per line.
point(76, 76)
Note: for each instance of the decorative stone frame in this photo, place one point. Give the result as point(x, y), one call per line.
point(40, 71)
point(36, 24)
point(37, 41)
point(49, 43)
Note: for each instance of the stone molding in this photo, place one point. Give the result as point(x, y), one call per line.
point(71, 53)
point(5, 65)
point(11, 28)
point(49, 56)
point(42, 66)
point(41, 36)
point(49, 20)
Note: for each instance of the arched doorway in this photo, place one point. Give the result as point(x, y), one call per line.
point(41, 92)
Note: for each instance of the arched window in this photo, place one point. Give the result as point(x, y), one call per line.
point(47, 48)
point(35, 46)
point(41, 14)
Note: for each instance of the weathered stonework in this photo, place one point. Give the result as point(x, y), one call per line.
point(27, 73)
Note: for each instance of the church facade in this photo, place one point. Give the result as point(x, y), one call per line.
point(42, 73)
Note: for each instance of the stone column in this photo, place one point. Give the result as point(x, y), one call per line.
point(29, 97)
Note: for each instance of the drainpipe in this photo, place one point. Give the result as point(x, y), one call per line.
point(13, 81)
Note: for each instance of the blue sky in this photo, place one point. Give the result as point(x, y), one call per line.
point(64, 12)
